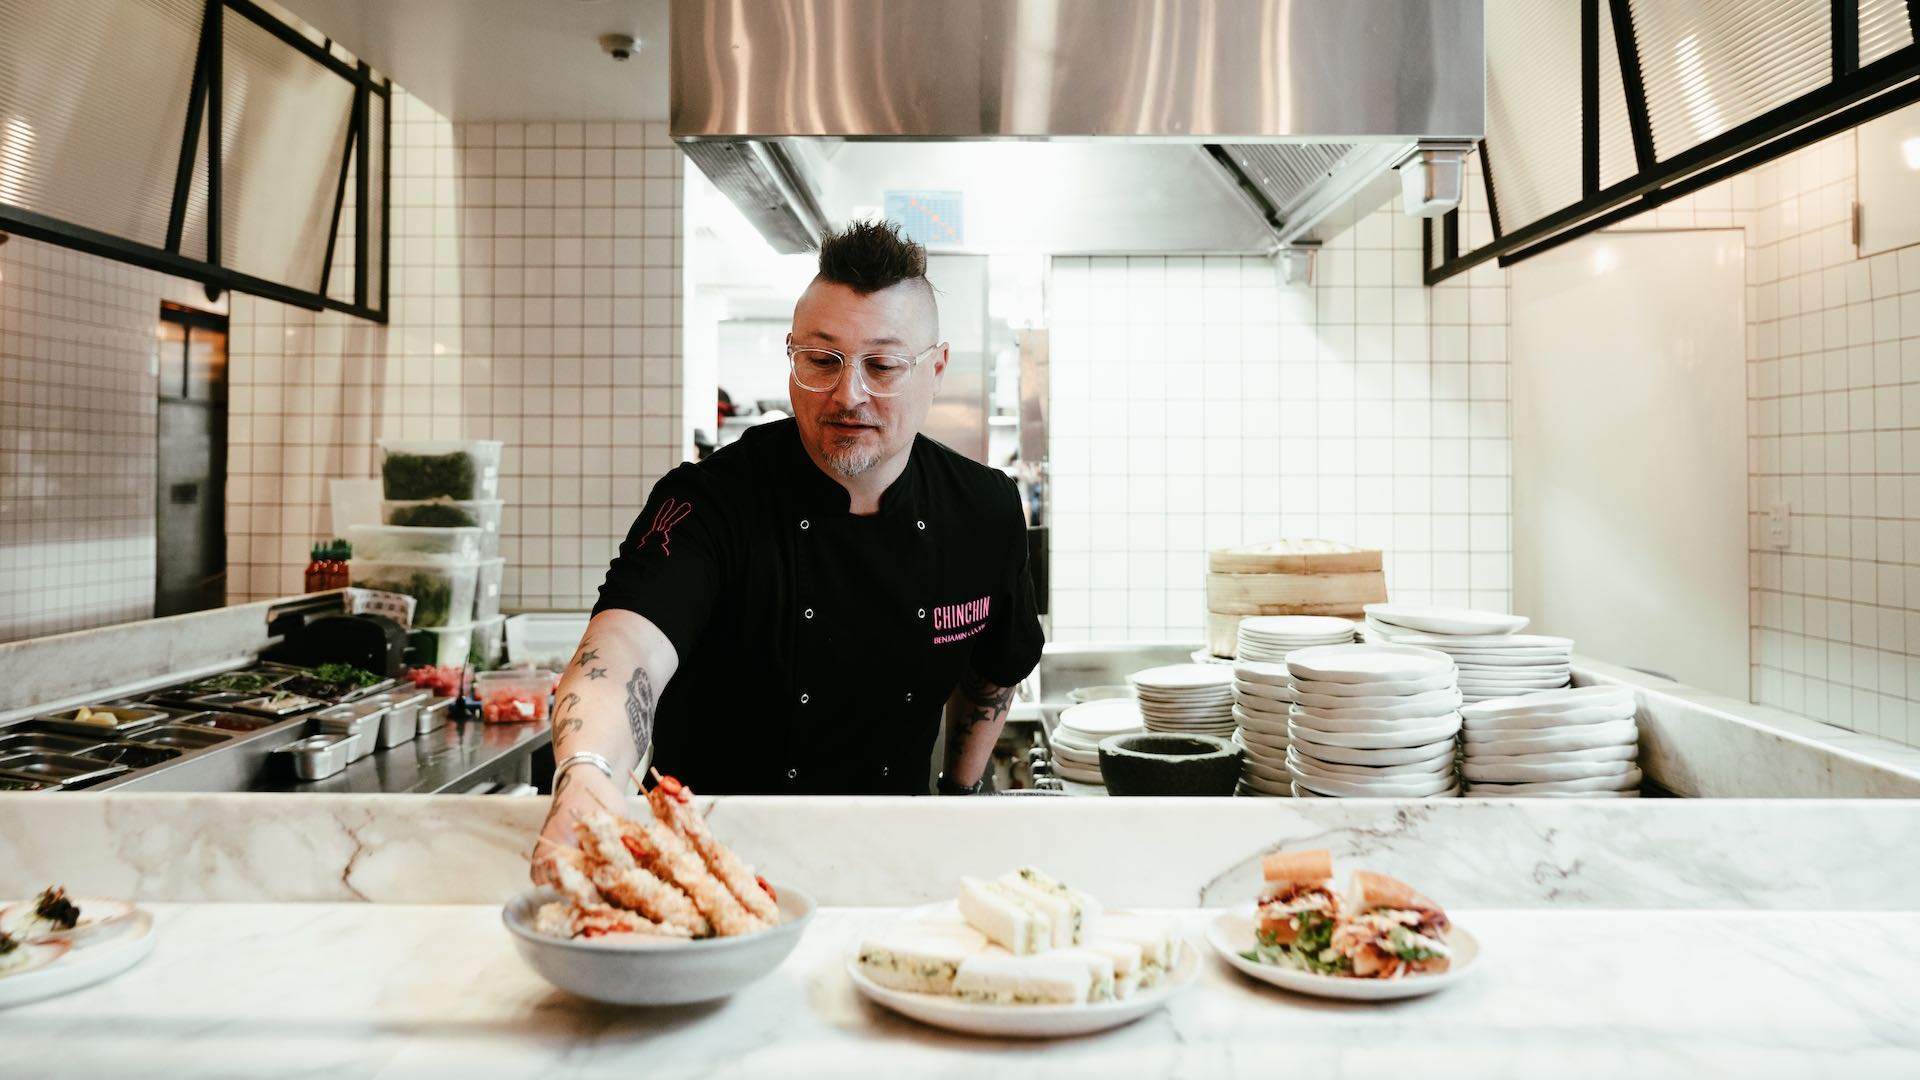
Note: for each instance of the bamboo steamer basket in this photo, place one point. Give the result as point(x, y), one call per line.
point(1283, 579)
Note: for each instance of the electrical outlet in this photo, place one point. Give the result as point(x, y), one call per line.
point(1779, 524)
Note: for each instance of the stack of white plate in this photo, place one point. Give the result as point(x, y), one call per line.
point(1272, 637)
point(1372, 721)
point(1578, 743)
point(1076, 736)
point(1494, 660)
point(1261, 699)
point(1186, 698)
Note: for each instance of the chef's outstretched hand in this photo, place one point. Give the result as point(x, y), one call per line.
point(578, 792)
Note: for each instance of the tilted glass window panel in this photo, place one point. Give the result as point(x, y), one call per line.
point(1533, 107)
point(283, 131)
point(1884, 28)
point(1711, 65)
point(1617, 162)
point(376, 252)
point(93, 104)
point(340, 278)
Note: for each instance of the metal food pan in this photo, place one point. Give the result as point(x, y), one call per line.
point(433, 714)
point(46, 744)
point(64, 770)
point(317, 757)
point(125, 718)
point(131, 754)
point(186, 738)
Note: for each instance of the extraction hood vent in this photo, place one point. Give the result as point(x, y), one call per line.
point(1671, 96)
point(222, 141)
point(1068, 126)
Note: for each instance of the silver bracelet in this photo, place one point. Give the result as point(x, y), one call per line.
point(579, 757)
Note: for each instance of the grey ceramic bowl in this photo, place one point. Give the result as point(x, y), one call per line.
point(1155, 763)
point(669, 973)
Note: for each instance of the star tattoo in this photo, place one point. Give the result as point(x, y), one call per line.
point(597, 673)
point(587, 656)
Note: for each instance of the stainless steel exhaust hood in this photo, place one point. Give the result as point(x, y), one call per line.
point(1073, 126)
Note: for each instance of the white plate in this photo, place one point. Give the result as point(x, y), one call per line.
point(1349, 756)
point(1389, 713)
point(1253, 709)
point(1521, 722)
point(1232, 934)
point(1448, 697)
point(1099, 719)
point(1434, 619)
point(1265, 786)
point(1339, 726)
point(1203, 655)
point(1485, 791)
point(1268, 769)
point(1276, 729)
point(1368, 664)
point(1077, 744)
point(1275, 745)
point(1029, 1021)
point(1062, 752)
point(1084, 775)
point(1494, 642)
point(1518, 658)
point(1628, 781)
point(1487, 772)
point(1470, 673)
point(98, 918)
point(1409, 788)
point(1623, 752)
point(1181, 677)
point(1262, 671)
point(1333, 770)
point(1413, 735)
point(1584, 737)
point(1262, 690)
point(1293, 626)
point(1566, 700)
point(76, 964)
point(1399, 687)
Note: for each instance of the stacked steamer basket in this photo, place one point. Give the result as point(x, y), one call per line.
point(1287, 577)
point(1186, 699)
point(1494, 660)
point(1372, 721)
point(1261, 696)
point(1577, 743)
point(1075, 740)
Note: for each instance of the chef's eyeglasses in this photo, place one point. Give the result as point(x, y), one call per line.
point(882, 374)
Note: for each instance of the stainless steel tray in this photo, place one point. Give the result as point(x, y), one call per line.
point(434, 713)
point(186, 738)
point(46, 744)
point(258, 704)
point(126, 718)
point(317, 757)
point(64, 770)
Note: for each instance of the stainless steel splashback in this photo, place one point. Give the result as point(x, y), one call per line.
point(1115, 106)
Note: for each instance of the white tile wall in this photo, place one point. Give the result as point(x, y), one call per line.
point(1834, 429)
point(1196, 403)
point(535, 299)
point(77, 428)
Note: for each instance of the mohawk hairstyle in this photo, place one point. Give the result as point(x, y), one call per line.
point(868, 256)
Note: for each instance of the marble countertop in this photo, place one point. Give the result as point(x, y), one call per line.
point(371, 989)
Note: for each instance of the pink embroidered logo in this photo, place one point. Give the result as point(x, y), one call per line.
point(958, 622)
point(672, 512)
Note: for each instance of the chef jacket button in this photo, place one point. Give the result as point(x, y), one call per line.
point(883, 770)
point(808, 613)
point(805, 524)
point(922, 525)
point(793, 774)
point(804, 699)
point(909, 695)
point(923, 613)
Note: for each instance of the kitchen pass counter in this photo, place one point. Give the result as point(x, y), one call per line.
point(357, 989)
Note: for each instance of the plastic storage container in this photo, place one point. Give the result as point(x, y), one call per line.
point(512, 697)
point(387, 542)
point(486, 589)
point(489, 643)
point(544, 640)
point(440, 646)
point(442, 591)
point(482, 514)
point(411, 469)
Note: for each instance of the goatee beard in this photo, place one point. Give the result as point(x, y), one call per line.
point(852, 461)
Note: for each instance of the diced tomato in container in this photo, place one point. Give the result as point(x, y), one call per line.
point(511, 697)
point(444, 680)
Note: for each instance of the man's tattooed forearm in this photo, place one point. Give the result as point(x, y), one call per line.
point(563, 723)
point(640, 711)
point(984, 702)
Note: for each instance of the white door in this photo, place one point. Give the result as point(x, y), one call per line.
point(1630, 453)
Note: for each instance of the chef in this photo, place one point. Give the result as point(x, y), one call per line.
point(792, 615)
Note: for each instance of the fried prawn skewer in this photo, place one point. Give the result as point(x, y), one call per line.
point(672, 803)
point(668, 857)
point(570, 874)
point(628, 884)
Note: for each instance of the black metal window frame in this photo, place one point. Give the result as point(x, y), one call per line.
point(1854, 95)
point(204, 113)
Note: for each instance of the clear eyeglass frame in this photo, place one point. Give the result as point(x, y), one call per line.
point(891, 387)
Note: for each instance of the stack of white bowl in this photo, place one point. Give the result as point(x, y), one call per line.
point(1495, 661)
point(1372, 721)
point(1577, 743)
point(1075, 739)
point(1272, 637)
point(1262, 697)
point(1185, 699)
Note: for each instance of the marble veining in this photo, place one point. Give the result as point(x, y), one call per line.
point(250, 990)
point(400, 849)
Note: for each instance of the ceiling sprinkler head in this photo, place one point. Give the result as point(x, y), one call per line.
point(619, 46)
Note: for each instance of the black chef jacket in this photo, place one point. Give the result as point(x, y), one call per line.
point(817, 648)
